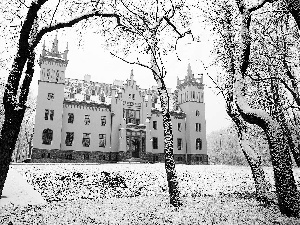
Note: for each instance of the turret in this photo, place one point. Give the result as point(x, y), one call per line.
point(53, 63)
point(190, 98)
point(48, 119)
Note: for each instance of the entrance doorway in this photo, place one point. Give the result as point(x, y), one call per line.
point(135, 143)
point(136, 148)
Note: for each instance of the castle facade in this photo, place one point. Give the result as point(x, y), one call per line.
point(85, 121)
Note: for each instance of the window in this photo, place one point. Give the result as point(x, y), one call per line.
point(179, 127)
point(132, 116)
point(50, 96)
point(133, 96)
point(70, 117)
point(86, 140)
point(198, 144)
point(47, 136)
point(155, 143)
point(49, 155)
point(129, 96)
point(51, 114)
point(69, 138)
point(86, 156)
point(198, 127)
point(87, 120)
point(57, 75)
point(155, 125)
point(137, 121)
point(87, 97)
point(68, 156)
point(137, 117)
point(46, 114)
point(102, 140)
point(197, 113)
point(48, 73)
point(179, 143)
point(103, 120)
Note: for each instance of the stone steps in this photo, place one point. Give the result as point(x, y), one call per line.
point(133, 160)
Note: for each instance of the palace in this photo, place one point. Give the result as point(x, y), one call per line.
point(85, 121)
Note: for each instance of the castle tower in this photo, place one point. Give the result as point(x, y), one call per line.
point(48, 119)
point(190, 98)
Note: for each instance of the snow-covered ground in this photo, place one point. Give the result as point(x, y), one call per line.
point(58, 182)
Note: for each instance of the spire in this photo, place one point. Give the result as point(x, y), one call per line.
point(44, 49)
point(65, 54)
point(55, 45)
point(131, 74)
point(189, 71)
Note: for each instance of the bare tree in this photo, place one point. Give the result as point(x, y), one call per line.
point(146, 32)
point(286, 188)
point(221, 16)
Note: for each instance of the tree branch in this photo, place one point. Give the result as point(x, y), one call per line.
point(259, 5)
point(133, 63)
point(172, 25)
point(72, 22)
point(54, 12)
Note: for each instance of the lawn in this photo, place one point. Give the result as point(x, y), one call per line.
point(137, 194)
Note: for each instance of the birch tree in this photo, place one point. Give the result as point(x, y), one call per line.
point(144, 39)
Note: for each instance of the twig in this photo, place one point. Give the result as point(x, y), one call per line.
point(133, 63)
point(54, 12)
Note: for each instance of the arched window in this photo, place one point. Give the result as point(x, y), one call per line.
point(47, 136)
point(197, 113)
point(198, 144)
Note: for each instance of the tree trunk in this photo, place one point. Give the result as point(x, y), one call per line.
point(9, 135)
point(172, 179)
point(294, 9)
point(286, 188)
point(262, 187)
point(14, 113)
point(287, 132)
point(18, 148)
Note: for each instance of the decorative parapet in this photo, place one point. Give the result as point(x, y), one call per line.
point(191, 81)
point(86, 105)
point(178, 114)
point(140, 127)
